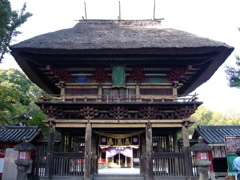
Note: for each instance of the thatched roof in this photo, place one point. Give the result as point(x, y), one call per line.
point(117, 34)
point(113, 40)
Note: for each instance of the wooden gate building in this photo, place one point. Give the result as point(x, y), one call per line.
point(123, 85)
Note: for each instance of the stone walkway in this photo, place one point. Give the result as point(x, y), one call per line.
point(119, 171)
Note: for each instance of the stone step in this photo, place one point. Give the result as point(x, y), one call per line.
point(118, 177)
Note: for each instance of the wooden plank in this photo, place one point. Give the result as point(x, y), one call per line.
point(134, 121)
point(109, 84)
point(167, 125)
point(103, 121)
point(167, 154)
point(118, 125)
point(68, 154)
point(70, 121)
point(149, 152)
point(88, 148)
point(67, 125)
point(166, 121)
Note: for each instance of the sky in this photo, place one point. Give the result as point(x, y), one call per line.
point(214, 19)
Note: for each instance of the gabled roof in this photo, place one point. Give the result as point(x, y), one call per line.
point(18, 133)
point(216, 134)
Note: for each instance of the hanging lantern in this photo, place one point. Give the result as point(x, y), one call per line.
point(127, 142)
point(110, 141)
point(119, 142)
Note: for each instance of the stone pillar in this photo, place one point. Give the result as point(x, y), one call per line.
point(202, 168)
point(24, 160)
point(201, 164)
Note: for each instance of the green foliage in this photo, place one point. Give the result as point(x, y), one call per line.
point(9, 22)
point(37, 120)
point(17, 96)
point(204, 116)
point(10, 106)
point(233, 74)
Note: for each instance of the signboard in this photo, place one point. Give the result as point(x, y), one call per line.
point(232, 143)
point(9, 167)
point(118, 76)
point(231, 170)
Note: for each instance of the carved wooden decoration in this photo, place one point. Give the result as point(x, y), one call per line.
point(100, 75)
point(185, 112)
point(53, 112)
point(61, 73)
point(118, 112)
point(89, 112)
point(137, 75)
point(176, 74)
point(167, 115)
point(148, 112)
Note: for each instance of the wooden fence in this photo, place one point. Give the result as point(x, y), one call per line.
point(169, 164)
point(68, 164)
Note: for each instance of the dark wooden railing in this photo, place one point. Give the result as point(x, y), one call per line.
point(169, 164)
point(119, 98)
point(68, 164)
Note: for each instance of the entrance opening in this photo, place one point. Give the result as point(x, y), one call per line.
point(119, 154)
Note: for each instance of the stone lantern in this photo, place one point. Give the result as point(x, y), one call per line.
point(24, 160)
point(201, 162)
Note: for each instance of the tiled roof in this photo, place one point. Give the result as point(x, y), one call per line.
point(18, 133)
point(216, 134)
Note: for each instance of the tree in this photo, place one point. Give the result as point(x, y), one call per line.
point(17, 96)
point(233, 74)
point(10, 20)
point(204, 116)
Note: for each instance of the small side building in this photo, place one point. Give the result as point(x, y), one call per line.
point(13, 135)
point(214, 136)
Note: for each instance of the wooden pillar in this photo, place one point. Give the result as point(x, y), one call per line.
point(94, 154)
point(143, 154)
point(61, 147)
point(149, 151)
point(88, 153)
point(175, 142)
point(186, 149)
point(62, 93)
point(167, 144)
point(50, 149)
point(138, 93)
point(175, 94)
point(100, 97)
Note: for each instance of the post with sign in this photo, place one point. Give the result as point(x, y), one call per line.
point(232, 143)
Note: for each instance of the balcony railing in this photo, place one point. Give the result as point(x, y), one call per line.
point(118, 98)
